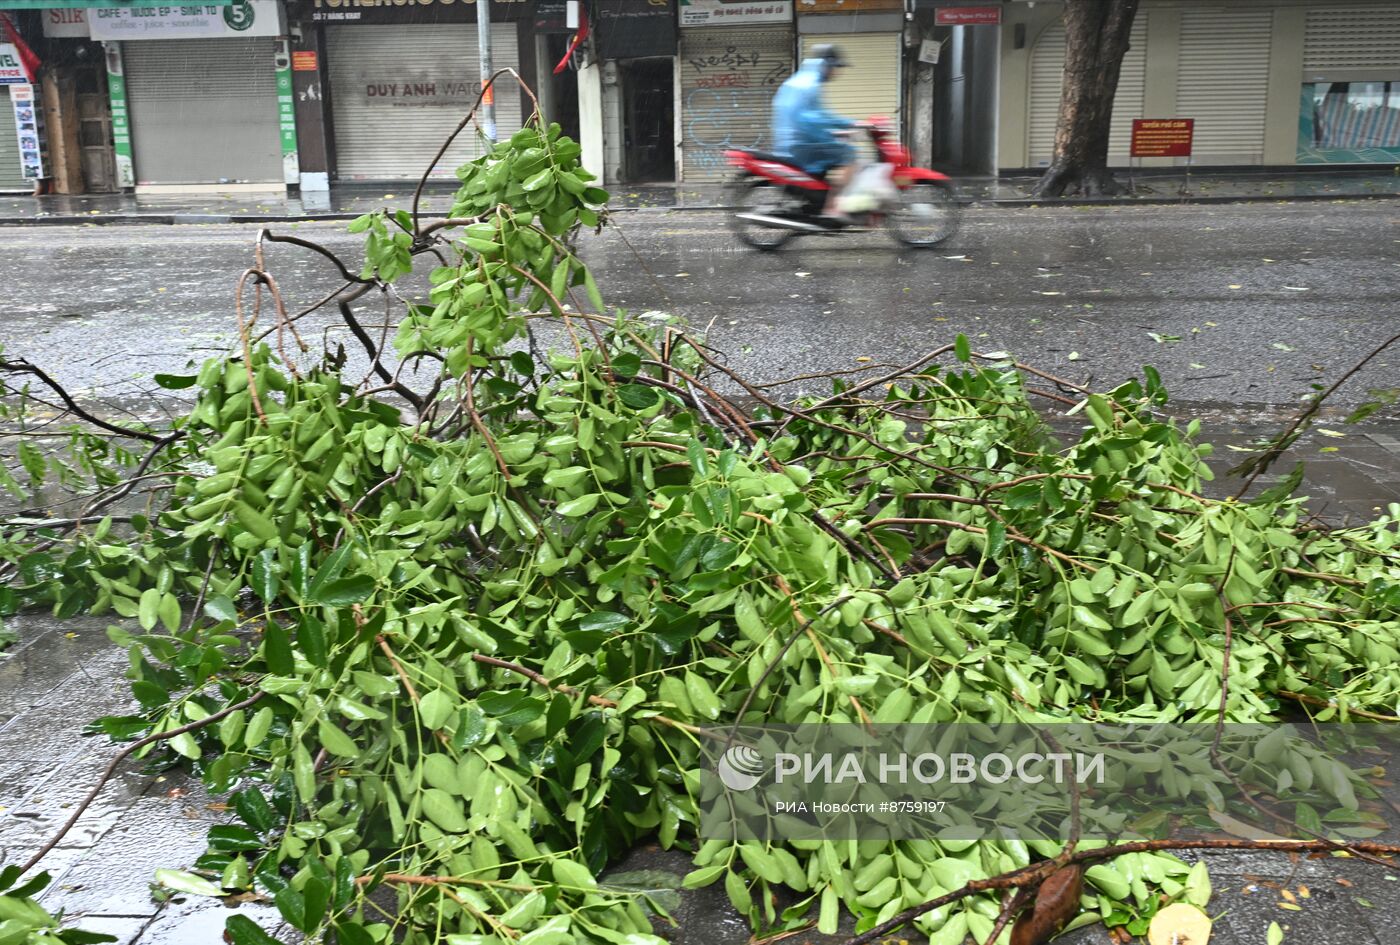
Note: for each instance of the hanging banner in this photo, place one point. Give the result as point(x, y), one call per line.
point(286, 115)
point(27, 118)
point(121, 122)
point(734, 12)
point(200, 21)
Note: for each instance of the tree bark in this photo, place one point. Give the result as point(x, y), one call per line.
point(1096, 40)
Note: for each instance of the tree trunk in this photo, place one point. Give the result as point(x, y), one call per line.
point(1096, 40)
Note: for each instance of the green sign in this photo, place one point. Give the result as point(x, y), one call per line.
point(121, 122)
point(87, 4)
point(286, 113)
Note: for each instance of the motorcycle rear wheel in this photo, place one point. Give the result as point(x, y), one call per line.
point(925, 214)
point(755, 195)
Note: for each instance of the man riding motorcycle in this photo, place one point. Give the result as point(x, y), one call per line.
point(805, 129)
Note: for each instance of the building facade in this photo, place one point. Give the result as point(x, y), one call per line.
point(261, 94)
point(1267, 83)
point(381, 86)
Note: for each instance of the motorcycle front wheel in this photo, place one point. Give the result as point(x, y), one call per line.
point(924, 214)
point(755, 195)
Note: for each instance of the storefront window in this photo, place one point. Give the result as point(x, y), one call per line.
point(1349, 123)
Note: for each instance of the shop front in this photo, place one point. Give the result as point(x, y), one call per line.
point(1349, 109)
point(21, 155)
point(398, 79)
point(636, 39)
point(870, 35)
point(733, 57)
point(200, 95)
point(1271, 83)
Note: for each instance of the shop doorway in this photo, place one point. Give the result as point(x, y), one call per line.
point(95, 130)
point(648, 120)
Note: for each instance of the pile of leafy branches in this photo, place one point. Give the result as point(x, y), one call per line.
point(457, 632)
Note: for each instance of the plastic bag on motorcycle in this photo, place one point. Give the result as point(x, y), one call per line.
point(869, 189)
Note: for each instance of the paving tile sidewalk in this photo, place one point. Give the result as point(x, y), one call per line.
point(64, 673)
point(351, 200)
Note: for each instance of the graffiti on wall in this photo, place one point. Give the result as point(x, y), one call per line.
point(730, 102)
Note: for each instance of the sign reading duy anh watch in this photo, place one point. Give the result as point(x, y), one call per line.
point(196, 21)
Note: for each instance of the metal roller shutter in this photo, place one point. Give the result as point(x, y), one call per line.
point(11, 174)
point(203, 111)
point(1047, 79)
point(398, 91)
point(869, 86)
point(1223, 83)
point(1362, 39)
point(728, 79)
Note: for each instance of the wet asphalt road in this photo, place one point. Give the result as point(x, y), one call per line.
point(1264, 300)
point(1245, 305)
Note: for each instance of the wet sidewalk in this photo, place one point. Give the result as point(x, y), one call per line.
point(64, 673)
point(347, 201)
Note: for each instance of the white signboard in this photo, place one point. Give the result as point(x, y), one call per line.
point(11, 71)
point(195, 21)
point(929, 50)
point(66, 24)
point(734, 12)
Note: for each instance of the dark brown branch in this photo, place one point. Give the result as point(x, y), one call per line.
point(22, 366)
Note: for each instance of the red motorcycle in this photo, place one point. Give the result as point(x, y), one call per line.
point(778, 200)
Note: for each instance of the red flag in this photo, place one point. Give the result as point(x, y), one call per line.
point(578, 39)
point(27, 59)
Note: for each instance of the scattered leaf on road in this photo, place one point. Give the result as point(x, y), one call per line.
point(1179, 924)
point(1282, 347)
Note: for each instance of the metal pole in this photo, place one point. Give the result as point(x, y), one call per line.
point(483, 45)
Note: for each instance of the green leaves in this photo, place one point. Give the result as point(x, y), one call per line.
point(242, 930)
point(435, 708)
point(350, 590)
point(185, 882)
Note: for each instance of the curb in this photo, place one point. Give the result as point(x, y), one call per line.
point(179, 219)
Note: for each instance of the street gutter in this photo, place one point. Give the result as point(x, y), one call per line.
point(175, 219)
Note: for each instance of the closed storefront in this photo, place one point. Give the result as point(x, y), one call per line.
point(203, 110)
point(398, 90)
point(195, 94)
point(1223, 82)
point(1264, 83)
point(869, 85)
point(729, 75)
point(1046, 82)
point(1349, 107)
point(11, 172)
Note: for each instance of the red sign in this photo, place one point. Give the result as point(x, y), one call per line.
point(967, 16)
point(304, 60)
point(1162, 137)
